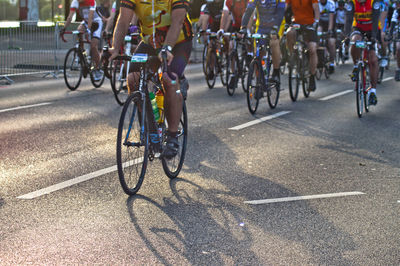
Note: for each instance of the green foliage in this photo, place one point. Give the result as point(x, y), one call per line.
point(8, 11)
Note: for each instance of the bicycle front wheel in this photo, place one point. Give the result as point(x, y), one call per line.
point(232, 73)
point(119, 81)
point(211, 69)
point(254, 86)
point(173, 166)
point(294, 81)
point(132, 145)
point(359, 91)
point(72, 69)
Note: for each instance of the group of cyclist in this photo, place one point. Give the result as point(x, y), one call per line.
point(166, 28)
point(372, 20)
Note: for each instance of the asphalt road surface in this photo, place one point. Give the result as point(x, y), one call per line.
point(308, 183)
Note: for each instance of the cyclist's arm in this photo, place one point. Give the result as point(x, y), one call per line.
point(110, 20)
point(376, 12)
point(90, 19)
point(248, 14)
point(316, 11)
point(178, 16)
point(69, 18)
point(122, 26)
point(224, 18)
point(349, 18)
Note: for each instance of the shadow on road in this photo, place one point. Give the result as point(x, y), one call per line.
point(205, 221)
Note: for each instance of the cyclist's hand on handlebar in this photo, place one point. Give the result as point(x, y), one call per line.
point(170, 56)
point(315, 25)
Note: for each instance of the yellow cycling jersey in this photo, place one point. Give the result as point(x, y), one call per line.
point(154, 18)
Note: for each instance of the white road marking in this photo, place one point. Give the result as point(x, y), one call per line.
point(24, 107)
point(77, 180)
point(386, 79)
point(259, 120)
point(320, 196)
point(335, 95)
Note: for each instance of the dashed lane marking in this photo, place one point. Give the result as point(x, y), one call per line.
point(386, 79)
point(259, 120)
point(335, 95)
point(77, 180)
point(319, 196)
point(24, 107)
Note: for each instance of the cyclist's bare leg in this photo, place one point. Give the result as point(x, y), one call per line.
point(133, 82)
point(354, 51)
point(82, 30)
point(312, 48)
point(94, 44)
point(373, 67)
point(276, 51)
point(173, 103)
point(290, 39)
point(332, 49)
point(383, 44)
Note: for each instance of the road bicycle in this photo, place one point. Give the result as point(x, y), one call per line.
point(361, 78)
point(141, 137)
point(323, 56)
point(340, 53)
point(214, 59)
point(233, 66)
point(120, 70)
point(78, 63)
point(259, 82)
point(299, 69)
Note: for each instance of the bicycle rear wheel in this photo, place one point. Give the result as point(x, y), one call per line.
point(72, 69)
point(232, 71)
point(294, 82)
point(359, 91)
point(118, 81)
point(304, 76)
point(223, 64)
point(173, 167)
point(204, 59)
point(365, 86)
point(254, 90)
point(132, 145)
point(211, 72)
point(273, 89)
point(244, 70)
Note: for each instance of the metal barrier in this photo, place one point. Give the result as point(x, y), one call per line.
point(28, 48)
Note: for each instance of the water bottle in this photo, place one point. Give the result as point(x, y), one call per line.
point(154, 106)
point(160, 104)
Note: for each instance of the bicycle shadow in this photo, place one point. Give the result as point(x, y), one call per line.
point(210, 222)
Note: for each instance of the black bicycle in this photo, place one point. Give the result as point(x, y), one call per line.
point(233, 66)
point(299, 70)
point(323, 55)
point(141, 136)
point(78, 63)
point(259, 82)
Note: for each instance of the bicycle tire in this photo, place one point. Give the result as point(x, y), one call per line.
point(318, 74)
point(273, 90)
point(244, 71)
point(253, 90)
point(204, 59)
point(326, 72)
point(129, 123)
point(173, 167)
point(304, 81)
point(359, 91)
point(119, 82)
point(72, 68)
point(96, 83)
point(232, 59)
point(222, 65)
point(366, 85)
point(211, 82)
point(380, 74)
point(293, 82)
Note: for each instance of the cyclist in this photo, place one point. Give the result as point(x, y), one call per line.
point(396, 22)
point(326, 24)
point(91, 23)
point(340, 21)
point(210, 17)
point(236, 8)
point(269, 18)
point(305, 13)
point(365, 14)
point(165, 28)
point(382, 27)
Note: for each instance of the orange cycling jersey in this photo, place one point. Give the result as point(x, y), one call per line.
point(155, 19)
point(303, 11)
point(363, 14)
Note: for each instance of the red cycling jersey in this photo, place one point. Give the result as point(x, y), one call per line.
point(237, 8)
